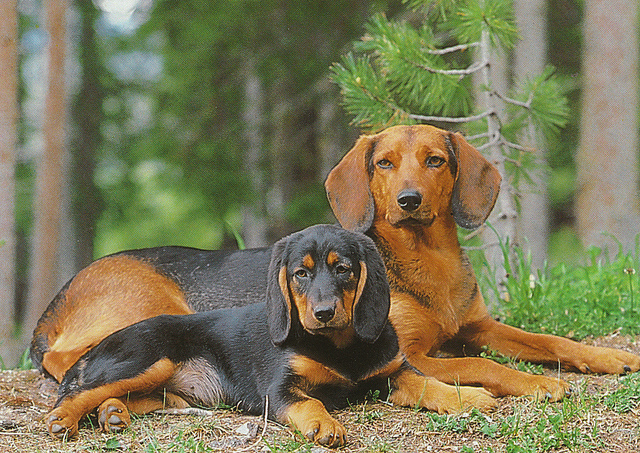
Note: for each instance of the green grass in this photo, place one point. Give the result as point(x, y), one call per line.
point(576, 301)
point(626, 397)
point(539, 427)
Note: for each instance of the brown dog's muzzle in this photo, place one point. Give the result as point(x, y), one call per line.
point(409, 200)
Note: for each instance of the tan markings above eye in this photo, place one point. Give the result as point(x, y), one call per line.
point(332, 258)
point(308, 262)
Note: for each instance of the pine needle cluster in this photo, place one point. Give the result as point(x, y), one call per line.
point(421, 70)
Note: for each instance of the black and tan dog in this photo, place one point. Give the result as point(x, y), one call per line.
point(319, 340)
point(121, 289)
point(407, 187)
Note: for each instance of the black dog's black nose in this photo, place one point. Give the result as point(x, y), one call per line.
point(409, 200)
point(324, 314)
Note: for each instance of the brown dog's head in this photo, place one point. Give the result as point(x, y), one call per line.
point(412, 175)
point(327, 281)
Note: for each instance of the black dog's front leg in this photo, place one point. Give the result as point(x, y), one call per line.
point(291, 405)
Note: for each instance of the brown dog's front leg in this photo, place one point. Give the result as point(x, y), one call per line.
point(542, 348)
point(413, 390)
point(496, 378)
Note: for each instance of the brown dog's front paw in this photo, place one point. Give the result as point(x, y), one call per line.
point(545, 388)
point(113, 416)
point(61, 424)
point(607, 361)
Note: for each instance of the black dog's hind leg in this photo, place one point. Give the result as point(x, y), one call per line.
point(72, 406)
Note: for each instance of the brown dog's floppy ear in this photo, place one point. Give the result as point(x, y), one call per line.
point(278, 300)
point(477, 186)
point(348, 190)
point(372, 300)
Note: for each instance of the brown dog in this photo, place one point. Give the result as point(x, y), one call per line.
point(407, 187)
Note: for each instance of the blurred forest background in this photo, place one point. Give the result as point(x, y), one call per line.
point(137, 123)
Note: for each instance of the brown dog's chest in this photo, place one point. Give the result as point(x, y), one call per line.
point(432, 290)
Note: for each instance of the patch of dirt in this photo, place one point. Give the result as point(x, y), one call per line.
point(582, 423)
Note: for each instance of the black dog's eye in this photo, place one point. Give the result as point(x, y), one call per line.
point(342, 269)
point(301, 273)
point(384, 164)
point(435, 161)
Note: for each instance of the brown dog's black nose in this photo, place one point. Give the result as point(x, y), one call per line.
point(409, 200)
point(324, 314)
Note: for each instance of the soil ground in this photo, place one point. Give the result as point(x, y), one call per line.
point(26, 397)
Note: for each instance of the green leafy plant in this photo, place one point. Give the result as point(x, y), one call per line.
point(595, 298)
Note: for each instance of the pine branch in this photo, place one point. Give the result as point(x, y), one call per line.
point(526, 105)
point(446, 119)
point(477, 136)
point(459, 72)
point(495, 141)
point(451, 49)
point(515, 146)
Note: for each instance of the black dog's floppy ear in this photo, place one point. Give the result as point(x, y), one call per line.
point(347, 187)
point(476, 189)
point(372, 300)
point(278, 300)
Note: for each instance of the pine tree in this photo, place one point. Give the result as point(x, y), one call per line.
point(402, 73)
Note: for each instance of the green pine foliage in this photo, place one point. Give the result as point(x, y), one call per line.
point(403, 73)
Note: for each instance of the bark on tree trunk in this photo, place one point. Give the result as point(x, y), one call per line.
point(87, 116)
point(50, 174)
point(9, 351)
point(607, 158)
point(529, 60)
point(505, 215)
point(254, 222)
point(331, 140)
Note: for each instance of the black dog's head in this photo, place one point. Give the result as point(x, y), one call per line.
point(330, 281)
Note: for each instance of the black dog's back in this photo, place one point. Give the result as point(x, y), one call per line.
point(211, 278)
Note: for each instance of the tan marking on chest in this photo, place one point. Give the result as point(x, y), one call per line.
point(316, 373)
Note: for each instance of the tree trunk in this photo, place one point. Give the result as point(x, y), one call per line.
point(607, 158)
point(50, 174)
point(530, 60)
point(87, 116)
point(331, 135)
point(254, 222)
point(9, 351)
point(505, 215)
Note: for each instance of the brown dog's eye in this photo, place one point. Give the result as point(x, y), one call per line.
point(384, 164)
point(342, 269)
point(301, 273)
point(435, 161)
